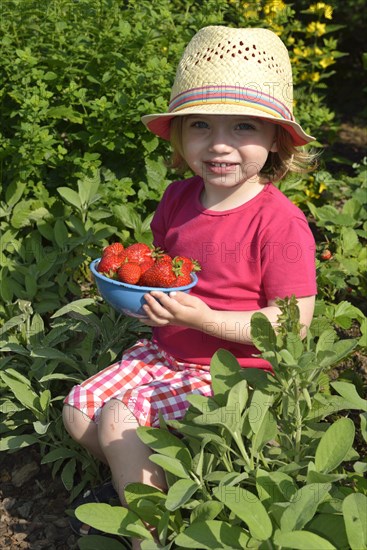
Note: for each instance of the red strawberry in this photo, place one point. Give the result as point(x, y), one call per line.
point(182, 280)
point(326, 255)
point(114, 248)
point(187, 264)
point(160, 275)
point(109, 264)
point(138, 252)
point(129, 273)
point(146, 265)
point(163, 258)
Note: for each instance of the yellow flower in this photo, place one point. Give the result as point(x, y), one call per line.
point(317, 50)
point(328, 12)
point(322, 9)
point(326, 61)
point(317, 28)
point(290, 40)
point(315, 77)
point(274, 6)
point(248, 10)
point(298, 51)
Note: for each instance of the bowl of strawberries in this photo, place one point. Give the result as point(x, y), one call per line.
point(124, 274)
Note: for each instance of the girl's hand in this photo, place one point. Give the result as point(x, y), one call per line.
point(177, 308)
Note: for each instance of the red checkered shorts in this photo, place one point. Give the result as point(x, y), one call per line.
point(147, 380)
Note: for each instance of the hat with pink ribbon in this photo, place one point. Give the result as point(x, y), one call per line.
point(231, 71)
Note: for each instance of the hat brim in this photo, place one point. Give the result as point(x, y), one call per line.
point(159, 123)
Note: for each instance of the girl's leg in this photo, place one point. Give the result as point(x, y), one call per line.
point(127, 456)
point(83, 430)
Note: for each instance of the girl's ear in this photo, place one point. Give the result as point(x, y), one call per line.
point(274, 147)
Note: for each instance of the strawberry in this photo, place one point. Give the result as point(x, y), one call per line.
point(109, 264)
point(138, 252)
point(187, 264)
point(114, 248)
point(146, 265)
point(182, 280)
point(160, 275)
point(161, 258)
point(326, 255)
point(129, 273)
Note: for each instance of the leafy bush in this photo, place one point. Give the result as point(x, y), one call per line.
point(261, 464)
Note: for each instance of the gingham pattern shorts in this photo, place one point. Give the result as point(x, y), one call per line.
point(147, 380)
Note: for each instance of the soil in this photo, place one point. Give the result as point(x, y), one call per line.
point(33, 505)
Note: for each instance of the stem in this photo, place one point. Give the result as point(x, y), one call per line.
point(238, 439)
point(298, 424)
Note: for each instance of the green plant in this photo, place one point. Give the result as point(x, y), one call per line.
point(266, 462)
point(37, 367)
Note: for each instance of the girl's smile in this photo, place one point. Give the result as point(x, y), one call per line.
point(228, 152)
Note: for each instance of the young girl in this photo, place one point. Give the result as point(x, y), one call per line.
point(230, 121)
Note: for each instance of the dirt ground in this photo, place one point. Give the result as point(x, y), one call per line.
point(32, 504)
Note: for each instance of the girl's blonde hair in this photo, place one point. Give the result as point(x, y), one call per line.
point(288, 157)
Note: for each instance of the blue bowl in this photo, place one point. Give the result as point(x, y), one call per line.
point(127, 298)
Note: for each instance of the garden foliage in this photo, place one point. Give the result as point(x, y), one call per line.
point(79, 170)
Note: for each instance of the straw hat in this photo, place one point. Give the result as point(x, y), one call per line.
point(226, 70)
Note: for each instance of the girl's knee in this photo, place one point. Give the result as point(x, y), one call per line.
point(75, 422)
point(114, 421)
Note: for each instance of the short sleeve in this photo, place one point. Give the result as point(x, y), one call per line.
point(288, 260)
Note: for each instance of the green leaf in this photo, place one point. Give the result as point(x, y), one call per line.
point(14, 192)
point(22, 391)
point(334, 445)
point(355, 518)
point(180, 492)
point(363, 418)
point(88, 189)
point(225, 372)
point(260, 403)
point(70, 196)
point(302, 540)
point(303, 506)
point(165, 443)
point(211, 535)
point(262, 332)
point(274, 487)
point(75, 307)
point(237, 397)
point(206, 511)
point(135, 493)
point(349, 392)
point(331, 528)
point(61, 233)
point(227, 417)
point(246, 506)
point(96, 542)
point(67, 474)
point(17, 442)
point(65, 112)
point(172, 465)
point(56, 454)
point(115, 520)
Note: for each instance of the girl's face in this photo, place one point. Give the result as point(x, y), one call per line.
point(227, 150)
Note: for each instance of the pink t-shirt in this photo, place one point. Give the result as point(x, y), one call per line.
point(261, 250)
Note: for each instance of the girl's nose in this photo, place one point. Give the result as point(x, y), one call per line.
point(219, 141)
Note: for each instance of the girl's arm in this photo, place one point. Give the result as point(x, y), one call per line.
point(185, 310)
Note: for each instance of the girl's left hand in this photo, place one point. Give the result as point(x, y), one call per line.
point(177, 308)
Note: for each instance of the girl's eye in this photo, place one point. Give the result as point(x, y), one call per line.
point(199, 124)
point(245, 126)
